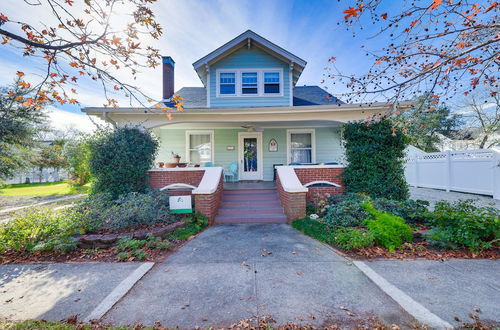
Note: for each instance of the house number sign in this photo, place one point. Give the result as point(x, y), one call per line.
point(180, 204)
point(273, 145)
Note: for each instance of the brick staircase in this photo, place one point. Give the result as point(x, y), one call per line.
point(250, 206)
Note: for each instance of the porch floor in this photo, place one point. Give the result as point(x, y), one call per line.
point(249, 185)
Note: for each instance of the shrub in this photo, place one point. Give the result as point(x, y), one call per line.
point(128, 211)
point(375, 155)
point(352, 238)
point(77, 154)
point(464, 225)
point(41, 230)
point(410, 210)
point(196, 223)
point(346, 211)
point(315, 229)
point(389, 231)
point(126, 243)
point(120, 159)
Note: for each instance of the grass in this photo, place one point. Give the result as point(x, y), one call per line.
point(314, 229)
point(42, 189)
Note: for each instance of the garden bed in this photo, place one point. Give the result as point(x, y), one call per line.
point(178, 236)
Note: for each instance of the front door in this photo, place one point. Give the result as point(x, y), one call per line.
point(250, 156)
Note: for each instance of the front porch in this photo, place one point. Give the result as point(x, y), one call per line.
point(251, 202)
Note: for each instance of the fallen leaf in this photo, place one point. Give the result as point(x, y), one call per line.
point(343, 308)
point(299, 273)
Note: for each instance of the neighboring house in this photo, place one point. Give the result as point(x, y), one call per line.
point(467, 140)
point(250, 111)
point(36, 174)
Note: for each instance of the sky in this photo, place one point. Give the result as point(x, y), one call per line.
point(193, 28)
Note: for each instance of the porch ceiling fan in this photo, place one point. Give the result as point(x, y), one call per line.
point(252, 128)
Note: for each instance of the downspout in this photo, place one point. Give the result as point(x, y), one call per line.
point(109, 120)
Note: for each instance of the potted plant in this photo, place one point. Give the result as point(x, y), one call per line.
point(176, 157)
point(160, 164)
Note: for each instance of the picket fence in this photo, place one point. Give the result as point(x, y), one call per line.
point(472, 171)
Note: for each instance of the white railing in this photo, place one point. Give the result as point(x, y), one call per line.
point(473, 171)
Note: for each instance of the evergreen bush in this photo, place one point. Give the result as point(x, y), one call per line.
point(375, 153)
point(119, 160)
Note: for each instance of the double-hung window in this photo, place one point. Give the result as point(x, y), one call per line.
point(199, 146)
point(249, 83)
point(227, 83)
point(271, 82)
point(301, 146)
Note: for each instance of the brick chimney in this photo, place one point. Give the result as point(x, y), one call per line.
point(168, 77)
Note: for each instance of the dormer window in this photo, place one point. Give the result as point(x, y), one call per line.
point(227, 83)
point(249, 83)
point(271, 82)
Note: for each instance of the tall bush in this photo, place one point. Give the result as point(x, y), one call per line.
point(119, 160)
point(375, 155)
point(78, 156)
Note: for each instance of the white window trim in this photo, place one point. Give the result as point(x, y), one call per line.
point(260, 82)
point(289, 143)
point(197, 132)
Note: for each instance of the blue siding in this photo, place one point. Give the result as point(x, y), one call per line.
point(328, 146)
point(249, 58)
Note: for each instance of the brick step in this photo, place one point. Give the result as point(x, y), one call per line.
point(250, 197)
point(249, 191)
point(251, 218)
point(254, 210)
point(244, 204)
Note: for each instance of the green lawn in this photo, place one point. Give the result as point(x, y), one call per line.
point(42, 189)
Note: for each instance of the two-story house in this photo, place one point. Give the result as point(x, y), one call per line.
point(249, 117)
point(250, 111)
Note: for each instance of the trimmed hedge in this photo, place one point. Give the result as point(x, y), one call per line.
point(375, 152)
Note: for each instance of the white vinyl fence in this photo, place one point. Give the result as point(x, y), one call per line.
point(472, 171)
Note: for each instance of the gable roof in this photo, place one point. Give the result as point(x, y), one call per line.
point(245, 39)
point(196, 97)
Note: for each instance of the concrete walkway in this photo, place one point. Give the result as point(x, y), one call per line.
point(435, 195)
point(236, 272)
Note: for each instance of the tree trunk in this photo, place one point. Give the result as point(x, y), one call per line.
point(483, 141)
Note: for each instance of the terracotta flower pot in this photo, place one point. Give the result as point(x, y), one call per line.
point(170, 165)
point(177, 159)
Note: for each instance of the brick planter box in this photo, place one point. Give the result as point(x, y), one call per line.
point(330, 174)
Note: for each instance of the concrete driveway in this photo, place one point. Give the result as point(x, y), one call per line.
point(235, 272)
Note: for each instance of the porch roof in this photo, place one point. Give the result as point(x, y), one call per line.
point(338, 113)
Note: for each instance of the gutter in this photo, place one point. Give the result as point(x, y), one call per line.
point(256, 110)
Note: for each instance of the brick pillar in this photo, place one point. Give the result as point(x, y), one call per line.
point(208, 204)
point(294, 204)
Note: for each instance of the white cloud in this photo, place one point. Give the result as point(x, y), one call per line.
point(62, 120)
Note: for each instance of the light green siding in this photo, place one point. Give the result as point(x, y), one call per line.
point(328, 146)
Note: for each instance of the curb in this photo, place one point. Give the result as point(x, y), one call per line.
point(412, 307)
point(118, 292)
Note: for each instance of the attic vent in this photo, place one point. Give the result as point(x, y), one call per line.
point(316, 184)
point(178, 186)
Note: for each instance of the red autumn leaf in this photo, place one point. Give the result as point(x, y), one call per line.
point(414, 23)
point(5, 40)
point(3, 17)
point(384, 16)
point(20, 73)
point(73, 101)
point(435, 4)
point(53, 74)
point(73, 79)
point(116, 87)
point(69, 2)
point(10, 94)
point(378, 61)
point(73, 64)
point(81, 73)
point(461, 45)
point(351, 12)
point(28, 102)
point(116, 41)
point(493, 5)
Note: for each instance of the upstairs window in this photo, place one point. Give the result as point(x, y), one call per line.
point(271, 82)
point(249, 83)
point(227, 83)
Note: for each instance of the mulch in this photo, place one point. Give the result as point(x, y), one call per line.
point(420, 250)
